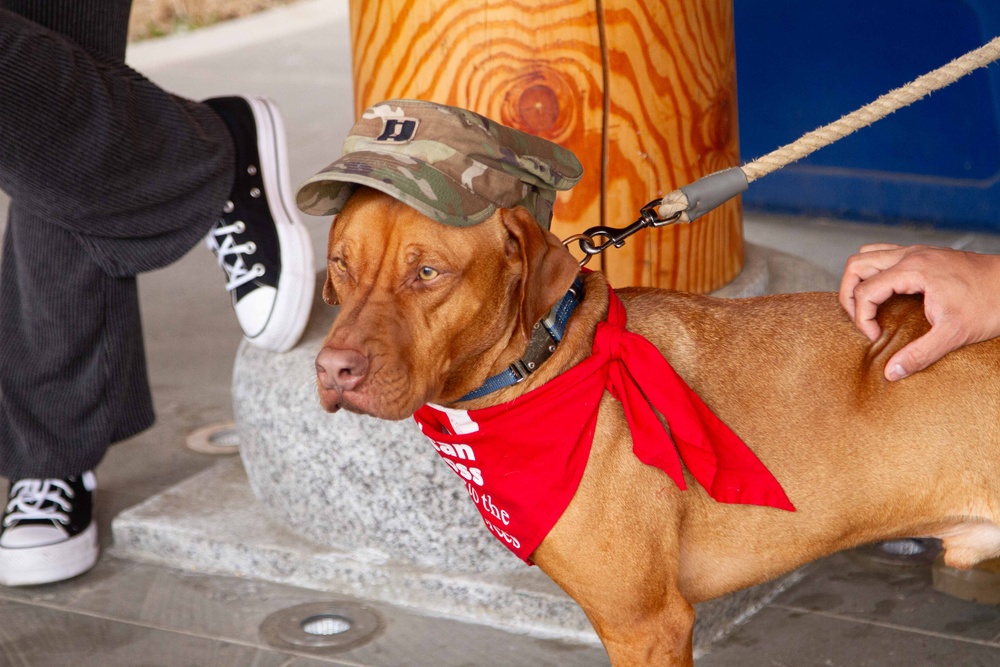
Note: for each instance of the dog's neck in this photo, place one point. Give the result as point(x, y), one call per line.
point(575, 346)
point(545, 338)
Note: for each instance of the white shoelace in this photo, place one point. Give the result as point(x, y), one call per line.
point(39, 499)
point(237, 272)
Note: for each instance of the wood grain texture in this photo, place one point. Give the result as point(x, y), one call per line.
point(668, 67)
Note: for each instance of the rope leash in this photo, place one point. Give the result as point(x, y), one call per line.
point(692, 201)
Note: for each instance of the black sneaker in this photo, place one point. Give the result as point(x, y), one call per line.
point(48, 533)
point(259, 241)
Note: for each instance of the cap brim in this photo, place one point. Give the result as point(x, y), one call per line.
point(324, 194)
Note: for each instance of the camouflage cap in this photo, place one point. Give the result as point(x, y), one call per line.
point(452, 165)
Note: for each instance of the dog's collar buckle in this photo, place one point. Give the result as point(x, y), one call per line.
point(522, 370)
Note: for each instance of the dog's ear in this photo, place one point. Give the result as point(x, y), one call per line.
point(547, 267)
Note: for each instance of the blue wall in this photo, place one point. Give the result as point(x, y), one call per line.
point(804, 63)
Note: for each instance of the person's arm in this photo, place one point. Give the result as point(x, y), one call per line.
point(961, 297)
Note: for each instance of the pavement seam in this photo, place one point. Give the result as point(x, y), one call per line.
point(888, 626)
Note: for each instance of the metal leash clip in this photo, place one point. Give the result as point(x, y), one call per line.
point(648, 217)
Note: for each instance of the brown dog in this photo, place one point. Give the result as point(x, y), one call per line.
point(428, 311)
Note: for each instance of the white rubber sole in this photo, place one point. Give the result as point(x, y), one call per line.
point(54, 562)
point(297, 281)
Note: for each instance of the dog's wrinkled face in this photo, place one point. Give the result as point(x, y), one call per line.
point(426, 309)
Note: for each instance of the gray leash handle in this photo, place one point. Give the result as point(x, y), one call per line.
point(712, 191)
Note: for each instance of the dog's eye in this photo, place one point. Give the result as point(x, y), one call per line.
point(339, 263)
point(427, 273)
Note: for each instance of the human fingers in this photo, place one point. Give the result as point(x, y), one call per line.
point(868, 262)
point(845, 293)
point(876, 290)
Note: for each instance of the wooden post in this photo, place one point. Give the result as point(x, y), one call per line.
point(643, 91)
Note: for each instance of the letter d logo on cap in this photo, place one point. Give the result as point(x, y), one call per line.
point(398, 130)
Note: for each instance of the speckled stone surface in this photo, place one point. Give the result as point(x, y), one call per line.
point(366, 507)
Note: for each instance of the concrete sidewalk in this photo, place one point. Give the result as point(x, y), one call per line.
point(845, 611)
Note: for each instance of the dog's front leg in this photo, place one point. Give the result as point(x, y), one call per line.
point(623, 574)
point(638, 613)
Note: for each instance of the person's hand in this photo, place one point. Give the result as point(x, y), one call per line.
point(961, 298)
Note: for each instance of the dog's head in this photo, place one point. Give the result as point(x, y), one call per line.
point(439, 255)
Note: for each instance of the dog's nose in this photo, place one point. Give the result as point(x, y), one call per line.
point(341, 370)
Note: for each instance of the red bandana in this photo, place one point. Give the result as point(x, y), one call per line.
point(523, 460)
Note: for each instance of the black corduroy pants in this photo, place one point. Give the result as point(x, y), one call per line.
point(109, 176)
